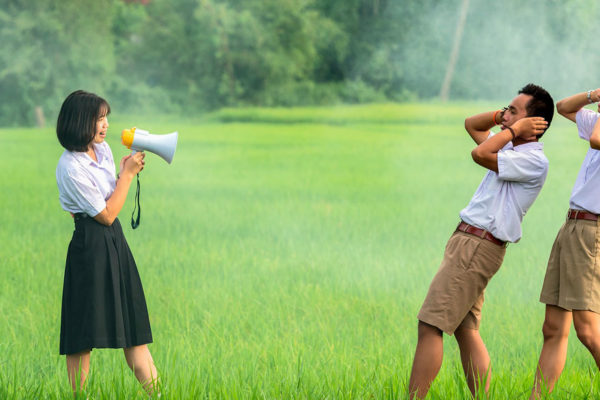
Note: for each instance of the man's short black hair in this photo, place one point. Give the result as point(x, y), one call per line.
point(541, 105)
point(76, 125)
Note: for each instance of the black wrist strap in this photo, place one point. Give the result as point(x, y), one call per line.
point(135, 223)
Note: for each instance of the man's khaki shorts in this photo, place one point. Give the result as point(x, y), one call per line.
point(572, 278)
point(455, 295)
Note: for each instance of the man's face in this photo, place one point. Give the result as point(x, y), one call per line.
point(516, 110)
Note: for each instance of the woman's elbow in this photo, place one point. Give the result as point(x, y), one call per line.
point(104, 221)
point(108, 222)
point(104, 218)
point(595, 142)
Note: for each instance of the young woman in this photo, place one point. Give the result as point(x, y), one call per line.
point(103, 304)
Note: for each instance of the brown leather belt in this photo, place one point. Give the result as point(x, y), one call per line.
point(578, 214)
point(473, 230)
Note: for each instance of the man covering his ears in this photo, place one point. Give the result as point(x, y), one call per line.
point(517, 169)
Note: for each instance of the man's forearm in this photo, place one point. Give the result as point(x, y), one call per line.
point(484, 121)
point(495, 143)
point(486, 153)
point(569, 106)
point(479, 125)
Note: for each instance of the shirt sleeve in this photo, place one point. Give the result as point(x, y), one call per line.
point(521, 166)
point(586, 120)
point(81, 191)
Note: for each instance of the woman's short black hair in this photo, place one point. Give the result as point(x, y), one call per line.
point(76, 125)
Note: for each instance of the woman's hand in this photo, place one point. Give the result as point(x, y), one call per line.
point(132, 164)
point(122, 163)
point(129, 166)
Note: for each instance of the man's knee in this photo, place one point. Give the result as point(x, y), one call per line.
point(587, 335)
point(464, 333)
point(555, 329)
point(425, 330)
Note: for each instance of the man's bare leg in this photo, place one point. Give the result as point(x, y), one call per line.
point(475, 358)
point(427, 362)
point(587, 326)
point(554, 351)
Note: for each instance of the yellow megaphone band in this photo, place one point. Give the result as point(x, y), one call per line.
point(127, 137)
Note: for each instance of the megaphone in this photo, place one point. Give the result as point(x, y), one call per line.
point(141, 140)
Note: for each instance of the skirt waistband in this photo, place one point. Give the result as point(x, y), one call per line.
point(80, 216)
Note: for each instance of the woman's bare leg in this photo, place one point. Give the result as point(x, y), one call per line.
point(78, 367)
point(140, 361)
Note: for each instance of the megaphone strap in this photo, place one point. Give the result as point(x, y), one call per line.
point(135, 223)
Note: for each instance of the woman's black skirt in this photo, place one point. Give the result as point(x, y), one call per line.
point(103, 304)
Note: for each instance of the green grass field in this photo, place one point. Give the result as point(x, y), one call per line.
point(284, 254)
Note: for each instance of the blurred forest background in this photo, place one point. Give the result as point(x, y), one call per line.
point(192, 56)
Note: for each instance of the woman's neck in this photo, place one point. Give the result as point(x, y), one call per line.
point(92, 153)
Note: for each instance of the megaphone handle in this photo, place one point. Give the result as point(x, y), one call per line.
point(133, 151)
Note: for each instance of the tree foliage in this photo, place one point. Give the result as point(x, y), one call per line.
point(48, 50)
point(195, 55)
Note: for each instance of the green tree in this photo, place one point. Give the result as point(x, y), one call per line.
point(49, 49)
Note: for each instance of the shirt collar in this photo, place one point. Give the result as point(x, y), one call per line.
point(84, 157)
point(529, 146)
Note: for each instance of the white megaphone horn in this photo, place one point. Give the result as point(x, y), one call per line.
point(141, 140)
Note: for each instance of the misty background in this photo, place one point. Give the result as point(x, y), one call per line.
point(192, 56)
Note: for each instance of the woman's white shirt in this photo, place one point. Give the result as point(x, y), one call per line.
point(84, 185)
